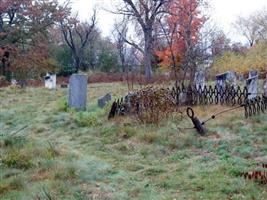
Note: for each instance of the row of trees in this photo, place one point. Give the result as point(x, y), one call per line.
point(37, 36)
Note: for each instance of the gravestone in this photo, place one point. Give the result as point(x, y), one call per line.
point(265, 87)
point(102, 101)
point(50, 81)
point(14, 82)
point(200, 80)
point(128, 100)
point(78, 91)
point(252, 86)
point(227, 78)
point(252, 73)
point(241, 77)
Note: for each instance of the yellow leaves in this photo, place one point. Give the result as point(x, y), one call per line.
point(255, 58)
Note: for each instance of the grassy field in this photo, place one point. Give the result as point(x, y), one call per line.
point(51, 152)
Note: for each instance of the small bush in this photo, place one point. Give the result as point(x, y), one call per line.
point(15, 158)
point(84, 119)
point(62, 105)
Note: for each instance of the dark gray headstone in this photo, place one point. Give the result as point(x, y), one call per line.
point(78, 91)
point(252, 86)
point(102, 101)
point(227, 78)
point(200, 80)
point(252, 73)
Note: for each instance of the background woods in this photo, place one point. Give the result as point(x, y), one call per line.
point(149, 37)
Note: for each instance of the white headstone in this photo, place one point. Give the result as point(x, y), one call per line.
point(200, 80)
point(265, 87)
point(78, 91)
point(252, 73)
point(14, 82)
point(252, 86)
point(51, 81)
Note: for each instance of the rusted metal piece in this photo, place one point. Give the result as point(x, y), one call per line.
point(197, 124)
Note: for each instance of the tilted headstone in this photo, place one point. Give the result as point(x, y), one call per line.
point(252, 86)
point(102, 101)
point(200, 80)
point(265, 87)
point(252, 73)
point(50, 81)
point(227, 78)
point(78, 91)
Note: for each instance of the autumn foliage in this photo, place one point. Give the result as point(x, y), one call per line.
point(254, 58)
point(183, 27)
point(23, 34)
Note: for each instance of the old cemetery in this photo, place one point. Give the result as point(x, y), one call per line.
point(161, 141)
point(133, 100)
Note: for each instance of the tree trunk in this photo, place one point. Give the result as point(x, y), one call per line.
point(148, 54)
point(77, 63)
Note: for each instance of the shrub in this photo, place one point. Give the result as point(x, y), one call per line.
point(17, 159)
point(62, 105)
point(85, 119)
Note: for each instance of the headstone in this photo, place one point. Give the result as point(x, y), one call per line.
point(78, 91)
point(14, 82)
point(128, 100)
point(252, 73)
point(227, 78)
point(50, 81)
point(265, 87)
point(200, 80)
point(102, 101)
point(252, 86)
point(241, 77)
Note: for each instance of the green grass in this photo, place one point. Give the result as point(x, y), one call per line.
point(61, 153)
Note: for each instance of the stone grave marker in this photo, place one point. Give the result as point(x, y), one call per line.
point(252, 73)
point(252, 86)
point(50, 81)
point(227, 78)
point(102, 101)
point(241, 77)
point(200, 80)
point(265, 87)
point(78, 91)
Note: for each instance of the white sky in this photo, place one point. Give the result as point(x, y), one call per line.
point(224, 12)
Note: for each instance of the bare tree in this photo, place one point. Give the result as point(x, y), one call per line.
point(253, 27)
point(77, 36)
point(144, 12)
point(247, 28)
point(120, 34)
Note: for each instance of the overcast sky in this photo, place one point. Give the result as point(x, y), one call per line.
point(224, 12)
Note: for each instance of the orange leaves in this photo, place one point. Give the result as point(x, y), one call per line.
point(183, 25)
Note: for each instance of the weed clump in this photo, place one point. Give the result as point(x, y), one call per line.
point(85, 119)
point(62, 105)
point(17, 159)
